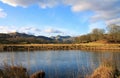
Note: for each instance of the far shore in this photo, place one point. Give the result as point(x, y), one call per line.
point(83, 46)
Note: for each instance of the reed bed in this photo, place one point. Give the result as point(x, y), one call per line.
point(31, 47)
point(107, 69)
point(8, 71)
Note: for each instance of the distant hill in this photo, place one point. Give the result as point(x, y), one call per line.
point(58, 37)
point(64, 39)
point(16, 38)
point(22, 38)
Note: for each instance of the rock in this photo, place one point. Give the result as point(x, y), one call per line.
point(39, 74)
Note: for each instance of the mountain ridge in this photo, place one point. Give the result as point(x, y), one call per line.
point(16, 37)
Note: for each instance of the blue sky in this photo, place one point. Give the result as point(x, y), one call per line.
point(57, 17)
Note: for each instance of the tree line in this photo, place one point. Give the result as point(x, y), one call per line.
point(111, 35)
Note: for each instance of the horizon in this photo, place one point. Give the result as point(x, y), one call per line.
point(57, 17)
point(35, 35)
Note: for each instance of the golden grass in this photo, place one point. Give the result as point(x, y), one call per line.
point(13, 72)
point(85, 46)
point(106, 70)
point(103, 72)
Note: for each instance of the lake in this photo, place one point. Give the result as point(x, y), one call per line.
point(60, 64)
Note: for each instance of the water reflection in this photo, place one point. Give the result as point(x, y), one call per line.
point(60, 64)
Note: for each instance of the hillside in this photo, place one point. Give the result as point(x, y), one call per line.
point(16, 38)
point(22, 38)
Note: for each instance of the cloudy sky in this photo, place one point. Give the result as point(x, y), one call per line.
point(57, 17)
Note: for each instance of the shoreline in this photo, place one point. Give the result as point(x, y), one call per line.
point(34, 47)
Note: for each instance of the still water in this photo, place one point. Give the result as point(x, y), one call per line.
point(60, 64)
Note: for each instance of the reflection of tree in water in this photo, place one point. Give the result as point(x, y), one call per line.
point(95, 59)
point(98, 57)
point(116, 59)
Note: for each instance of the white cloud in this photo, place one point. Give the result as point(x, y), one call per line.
point(81, 6)
point(25, 3)
point(29, 30)
point(32, 30)
point(51, 30)
point(112, 21)
point(7, 29)
point(104, 9)
point(2, 13)
point(107, 10)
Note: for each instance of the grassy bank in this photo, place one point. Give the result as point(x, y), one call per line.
point(8, 71)
point(85, 46)
point(107, 69)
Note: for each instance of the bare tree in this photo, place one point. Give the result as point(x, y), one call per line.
point(97, 34)
point(114, 33)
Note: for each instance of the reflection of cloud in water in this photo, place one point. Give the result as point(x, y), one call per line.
point(48, 58)
point(5, 58)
